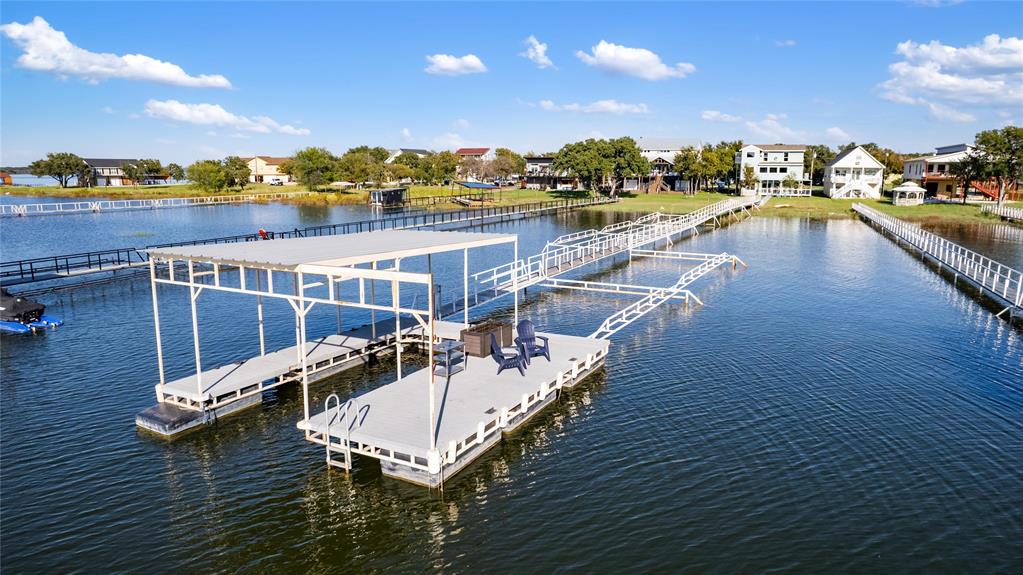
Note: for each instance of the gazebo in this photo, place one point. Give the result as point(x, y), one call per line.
point(908, 194)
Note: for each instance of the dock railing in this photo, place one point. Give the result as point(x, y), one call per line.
point(1005, 212)
point(998, 279)
point(571, 250)
point(87, 206)
point(67, 265)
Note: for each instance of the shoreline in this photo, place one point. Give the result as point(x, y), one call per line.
point(813, 208)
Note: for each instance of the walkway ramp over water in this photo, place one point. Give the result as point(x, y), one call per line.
point(96, 206)
point(67, 266)
point(999, 281)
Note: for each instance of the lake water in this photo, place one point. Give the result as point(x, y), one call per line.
point(836, 406)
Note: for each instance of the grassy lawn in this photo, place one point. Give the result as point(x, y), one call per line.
point(812, 207)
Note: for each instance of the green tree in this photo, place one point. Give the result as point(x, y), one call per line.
point(972, 168)
point(312, 167)
point(749, 179)
point(409, 159)
point(236, 172)
point(134, 171)
point(815, 159)
point(176, 172)
point(684, 164)
point(356, 166)
point(508, 162)
point(377, 153)
point(790, 182)
point(207, 175)
point(583, 160)
point(1003, 150)
point(61, 166)
point(440, 166)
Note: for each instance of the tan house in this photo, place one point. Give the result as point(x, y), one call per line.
point(264, 170)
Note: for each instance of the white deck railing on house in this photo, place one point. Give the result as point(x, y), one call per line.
point(997, 279)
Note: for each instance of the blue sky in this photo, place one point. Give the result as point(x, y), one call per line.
point(270, 78)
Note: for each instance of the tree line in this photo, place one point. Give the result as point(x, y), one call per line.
point(65, 166)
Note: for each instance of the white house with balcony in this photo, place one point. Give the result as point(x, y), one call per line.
point(854, 173)
point(772, 164)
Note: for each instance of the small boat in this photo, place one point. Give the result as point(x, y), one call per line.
point(20, 315)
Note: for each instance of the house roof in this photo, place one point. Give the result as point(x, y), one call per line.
point(273, 161)
point(539, 159)
point(670, 144)
point(418, 151)
point(471, 151)
point(108, 162)
point(841, 156)
point(341, 250)
point(781, 147)
point(949, 157)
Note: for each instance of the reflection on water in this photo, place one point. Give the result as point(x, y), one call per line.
point(834, 406)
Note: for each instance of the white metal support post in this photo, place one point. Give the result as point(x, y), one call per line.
point(193, 295)
point(156, 319)
point(465, 286)
point(433, 456)
point(259, 312)
point(373, 301)
point(395, 300)
point(301, 312)
point(515, 279)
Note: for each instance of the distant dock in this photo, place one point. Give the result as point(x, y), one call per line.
point(97, 206)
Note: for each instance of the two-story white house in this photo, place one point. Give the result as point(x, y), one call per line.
point(854, 173)
point(109, 172)
point(772, 164)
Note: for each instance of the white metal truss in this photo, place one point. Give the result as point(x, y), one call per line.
point(571, 251)
point(656, 297)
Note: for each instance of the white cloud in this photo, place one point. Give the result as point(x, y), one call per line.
point(784, 43)
point(716, 116)
point(937, 3)
point(461, 124)
point(215, 115)
point(598, 107)
point(638, 62)
point(108, 110)
point(536, 51)
point(945, 113)
point(449, 140)
point(938, 76)
point(773, 131)
point(448, 65)
point(836, 134)
point(49, 50)
point(406, 135)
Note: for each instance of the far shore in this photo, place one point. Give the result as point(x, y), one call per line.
point(814, 207)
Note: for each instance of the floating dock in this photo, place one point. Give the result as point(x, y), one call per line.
point(479, 407)
point(422, 427)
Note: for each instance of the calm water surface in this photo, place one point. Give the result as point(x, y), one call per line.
point(836, 406)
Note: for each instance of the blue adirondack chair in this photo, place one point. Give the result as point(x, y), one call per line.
point(530, 344)
point(505, 359)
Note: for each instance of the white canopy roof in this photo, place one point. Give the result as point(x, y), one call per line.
point(909, 186)
point(340, 250)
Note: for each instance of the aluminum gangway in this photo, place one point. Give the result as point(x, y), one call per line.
point(998, 280)
point(95, 206)
point(65, 266)
point(572, 251)
point(1011, 214)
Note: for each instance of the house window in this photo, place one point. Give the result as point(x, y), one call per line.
point(749, 154)
point(783, 170)
point(774, 170)
point(941, 167)
point(763, 170)
point(786, 156)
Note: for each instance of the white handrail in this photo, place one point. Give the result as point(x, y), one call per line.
point(1004, 211)
point(999, 279)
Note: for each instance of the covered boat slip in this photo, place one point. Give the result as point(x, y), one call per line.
point(475, 407)
point(360, 271)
